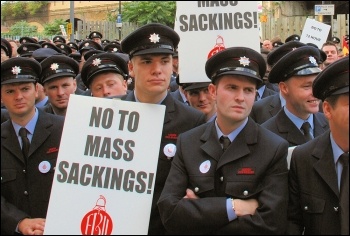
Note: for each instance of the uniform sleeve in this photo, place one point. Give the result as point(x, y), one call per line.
point(10, 216)
point(295, 226)
point(188, 216)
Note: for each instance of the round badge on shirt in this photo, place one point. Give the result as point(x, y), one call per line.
point(205, 166)
point(169, 150)
point(44, 167)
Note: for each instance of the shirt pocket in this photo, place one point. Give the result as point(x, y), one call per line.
point(243, 189)
point(202, 186)
point(9, 185)
point(312, 204)
point(8, 176)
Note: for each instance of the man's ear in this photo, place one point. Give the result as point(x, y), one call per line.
point(131, 69)
point(212, 89)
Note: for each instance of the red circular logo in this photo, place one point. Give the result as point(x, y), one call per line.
point(96, 222)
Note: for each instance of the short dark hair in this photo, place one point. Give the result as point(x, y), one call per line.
point(329, 43)
point(332, 100)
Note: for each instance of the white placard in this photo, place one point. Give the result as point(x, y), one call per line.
point(105, 172)
point(63, 30)
point(208, 26)
point(315, 32)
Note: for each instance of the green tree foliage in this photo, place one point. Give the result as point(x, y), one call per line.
point(21, 8)
point(54, 27)
point(143, 12)
point(35, 6)
point(6, 9)
point(23, 28)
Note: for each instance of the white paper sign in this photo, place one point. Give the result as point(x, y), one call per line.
point(315, 32)
point(105, 172)
point(63, 30)
point(206, 27)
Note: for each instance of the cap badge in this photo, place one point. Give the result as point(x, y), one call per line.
point(94, 34)
point(25, 48)
point(62, 46)
point(24, 40)
point(16, 70)
point(244, 61)
point(54, 66)
point(293, 49)
point(129, 81)
point(96, 62)
point(86, 44)
point(313, 60)
point(154, 38)
point(46, 46)
point(115, 49)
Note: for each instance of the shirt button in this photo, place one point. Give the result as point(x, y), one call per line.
point(24, 171)
point(196, 189)
point(336, 209)
point(26, 193)
point(245, 192)
point(222, 178)
point(306, 208)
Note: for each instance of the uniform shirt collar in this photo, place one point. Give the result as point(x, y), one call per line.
point(337, 151)
point(159, 103)
point(299, 122)
point(234, 133)
point(30, 126)
point(261, 91)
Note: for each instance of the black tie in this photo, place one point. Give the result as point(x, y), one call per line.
point(344, 195)
point(257, 95)
point(306, 129)
point(25, 141)
point(225, 142)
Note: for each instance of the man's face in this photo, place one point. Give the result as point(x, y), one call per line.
point(107, 85)
point(58, 91)
point(41, 93)
point(19, 98)
point(297, 91)
point(176, 64)
point(338, 115)
point(97, 40)
point(267, 45)
point(152, 73)
point(202, 100)
point(332, 54)
point(235, 95)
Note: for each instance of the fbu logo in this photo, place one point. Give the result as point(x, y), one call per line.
point(97, 221)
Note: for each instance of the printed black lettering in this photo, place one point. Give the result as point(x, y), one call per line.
point(74, 174)
point(86, 169)
point(61, 168)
